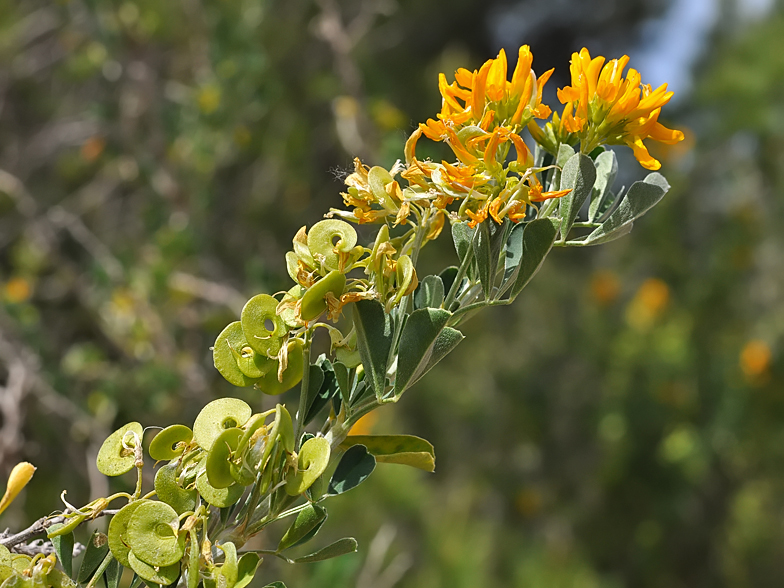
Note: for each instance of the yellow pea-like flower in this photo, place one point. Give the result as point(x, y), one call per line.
point(20, 476)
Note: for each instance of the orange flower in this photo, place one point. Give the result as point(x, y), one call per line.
point(535, 193)
point(478, 216)
point(486, 98)
point(603, 107)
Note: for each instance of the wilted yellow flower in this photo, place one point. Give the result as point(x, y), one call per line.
point(513, 200)
point(372, 201)
point(603, 107)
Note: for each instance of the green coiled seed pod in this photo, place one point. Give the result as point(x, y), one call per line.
point(270, 384)
point(329, 241)
point(314, 301)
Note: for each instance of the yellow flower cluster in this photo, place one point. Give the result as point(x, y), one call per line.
point(482, 117)
point(604, 108)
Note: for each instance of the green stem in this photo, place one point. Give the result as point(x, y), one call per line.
point(461, 272)
point(101, 569)
point(138, 490)
point(357, 412)
point(419, 237)
point(460, 313)
point(303, 393)
point(403, 306)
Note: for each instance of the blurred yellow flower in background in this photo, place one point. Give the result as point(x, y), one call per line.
point(755, 360)
point(605, 286)
point(648, 303)
point(17, 290)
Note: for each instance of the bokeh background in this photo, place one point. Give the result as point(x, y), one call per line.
point(622, 425)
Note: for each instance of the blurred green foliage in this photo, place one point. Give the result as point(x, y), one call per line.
point(621, 425)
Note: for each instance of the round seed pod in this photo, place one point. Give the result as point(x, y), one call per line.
point(269, 383)
point(378, 178)
point(312, 460)
point(314, 300)
point(243, 475)
point(117, 532)
point(292, 267)
point(5, 556)
point(262, 326)
point(255, 365)
point(116, 455)
point(328, 238)
point(57, 579)
point(220, 497)
point(254, 423)
point(216, 417)
point(20, 562)
point(170, 443)
point(405, 278)
point(283, 429)
point(153, 534)
point(228, 571)
point(218, 462)
point(163, 575)
point(6, 571)
point(227, 355)
point(170, 492)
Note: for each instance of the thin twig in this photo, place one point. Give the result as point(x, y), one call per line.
point(40, 527)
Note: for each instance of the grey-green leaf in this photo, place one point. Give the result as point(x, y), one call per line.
point(448, 276)
point(402, 449)
point(446, 341)
point(640, 198)
point(606, 171)
point(513, 252)
point(429, 293)
point(355, 467)
point(579, 175)
point(305, 526)
point(374, 340)
point(97, 548)
point(342, 378)
point(63, 548)
point(483, 257)
point(538, 239)
point(113, 574)
point(565, 153)
point(498, 237)
point(462, 235)
point(416, 343)
point(336, 549)
point(316, 400)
